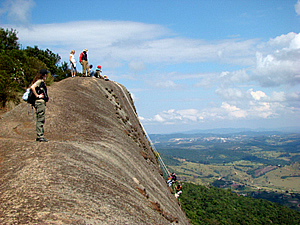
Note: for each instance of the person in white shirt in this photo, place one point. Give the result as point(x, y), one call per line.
point(72, 63)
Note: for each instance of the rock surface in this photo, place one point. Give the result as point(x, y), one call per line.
point(97, 168)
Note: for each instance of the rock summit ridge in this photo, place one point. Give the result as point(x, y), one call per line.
point(97, 168)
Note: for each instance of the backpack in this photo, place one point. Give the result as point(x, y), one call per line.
point(43, 90)
point(80, 57)
point(28, 96)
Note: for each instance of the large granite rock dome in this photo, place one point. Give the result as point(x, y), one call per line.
point(97, 168)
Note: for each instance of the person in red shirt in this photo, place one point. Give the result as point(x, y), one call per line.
point(84, 62)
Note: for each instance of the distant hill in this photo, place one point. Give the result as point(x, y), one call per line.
point(239, 130)
point(244, 162)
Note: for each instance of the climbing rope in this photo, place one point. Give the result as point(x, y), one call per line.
point(161, 162)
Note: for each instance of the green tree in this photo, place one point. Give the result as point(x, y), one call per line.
point(8, 85)
point(50, 59)
point(8, 39)
point(31, 66)
point(18, 67)
point(210, 205)
point(62, 71)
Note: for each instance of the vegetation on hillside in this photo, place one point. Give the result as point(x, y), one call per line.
point(262, 165)
point(19, 66)
point(210, 205)
point(261, 148)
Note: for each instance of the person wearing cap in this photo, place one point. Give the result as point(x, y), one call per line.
point(98, 72)
point(84, 62)
point(39, 90)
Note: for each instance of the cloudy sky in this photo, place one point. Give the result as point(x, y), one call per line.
point(189, 64)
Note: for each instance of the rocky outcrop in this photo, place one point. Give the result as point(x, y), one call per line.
point(97, 168)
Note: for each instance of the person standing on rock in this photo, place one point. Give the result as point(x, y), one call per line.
point(84, 62)
point(39, 90)
point(72, 63)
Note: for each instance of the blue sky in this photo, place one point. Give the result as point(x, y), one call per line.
point(189, 65)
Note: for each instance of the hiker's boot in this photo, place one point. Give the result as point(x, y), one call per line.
point(42, 139)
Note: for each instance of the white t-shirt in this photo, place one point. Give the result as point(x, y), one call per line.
point(73, 59)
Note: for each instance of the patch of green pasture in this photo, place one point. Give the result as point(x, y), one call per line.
point(282, 178)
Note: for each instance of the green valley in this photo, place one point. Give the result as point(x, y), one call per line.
point(258, 164)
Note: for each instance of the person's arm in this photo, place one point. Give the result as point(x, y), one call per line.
point(70, 58)
point(33, 88)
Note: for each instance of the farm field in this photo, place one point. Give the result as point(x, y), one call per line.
point(284, 178)
point(246, 163)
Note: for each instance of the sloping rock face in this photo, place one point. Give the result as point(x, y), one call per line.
point(97, 168)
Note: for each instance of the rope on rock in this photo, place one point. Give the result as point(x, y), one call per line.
point(161, 162)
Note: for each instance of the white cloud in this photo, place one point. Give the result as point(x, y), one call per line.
point(289, 100)
point(280, 68)
point(164, 84)
point(230, 93)
point(18, 11)
point(190, 114)
point(297, 7)
point(257, 95)
point(283, 41)
point(277, 64)
point(136, 66)
point(174, 116)
point(233, 111)
point(134, 42)
point(120, 43)
point(278, 96)
point(242, 105)
point(117, 43)
point(158, 118)
point(238, 76)
point(286, 43)
point(207, 79)
point(114, 42)
point(295, 42)
point(262, 109)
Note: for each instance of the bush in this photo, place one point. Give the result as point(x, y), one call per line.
point(19, 67)
point(8, 84)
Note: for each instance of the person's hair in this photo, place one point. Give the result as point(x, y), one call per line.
point(72, 52)
point(37, 77)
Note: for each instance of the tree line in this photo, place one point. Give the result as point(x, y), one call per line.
point(19, 66)
point(210, 205)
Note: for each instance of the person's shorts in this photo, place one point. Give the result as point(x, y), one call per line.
point(72, 68)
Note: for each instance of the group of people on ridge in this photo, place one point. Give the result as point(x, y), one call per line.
point(39, 89)
point(86, 68)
